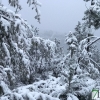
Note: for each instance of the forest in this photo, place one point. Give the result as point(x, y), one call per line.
point(36, 68)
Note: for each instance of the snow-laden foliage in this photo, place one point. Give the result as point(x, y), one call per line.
point(80, 70)
point(43, 90)
point(33, 3)
point(58, 58)
point(20, 50)
point(35, 68)
point(92, 14)
point(24, 58)
point(82, 31)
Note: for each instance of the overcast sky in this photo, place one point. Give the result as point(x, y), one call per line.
point(56, 15)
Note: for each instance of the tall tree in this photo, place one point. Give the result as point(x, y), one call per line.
point(79, 72)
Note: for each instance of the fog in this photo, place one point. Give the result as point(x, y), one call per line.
point(59, 16)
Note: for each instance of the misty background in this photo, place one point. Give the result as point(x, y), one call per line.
point(58, 17)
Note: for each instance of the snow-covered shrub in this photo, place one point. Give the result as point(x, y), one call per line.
point(42, 53)
point(49, 89)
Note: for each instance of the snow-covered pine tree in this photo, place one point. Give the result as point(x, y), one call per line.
point(79, 78)
point(82, 31)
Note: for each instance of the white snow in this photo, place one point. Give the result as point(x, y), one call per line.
point(51, 88)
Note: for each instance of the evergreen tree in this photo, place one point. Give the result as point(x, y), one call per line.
point(79, 74)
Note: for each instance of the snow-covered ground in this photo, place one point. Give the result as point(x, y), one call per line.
point(18, 64)
point(49, 89)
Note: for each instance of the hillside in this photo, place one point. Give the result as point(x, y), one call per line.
point(35, 68)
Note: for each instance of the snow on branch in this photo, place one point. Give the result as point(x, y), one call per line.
point(34, 3)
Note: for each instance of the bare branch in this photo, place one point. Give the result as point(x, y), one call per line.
point(93, 41)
